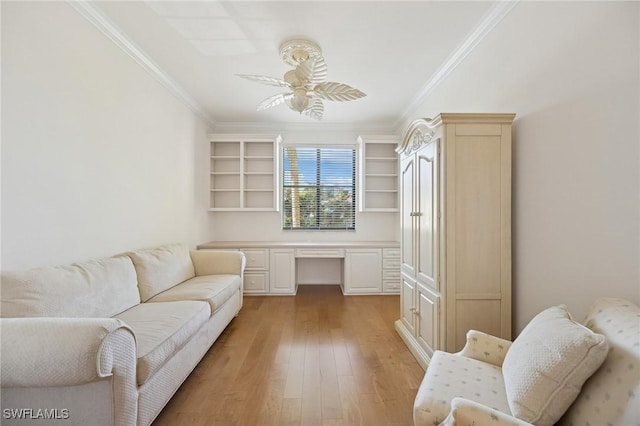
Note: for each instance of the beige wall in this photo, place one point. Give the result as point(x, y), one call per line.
point(570, 71)
point(97, 157)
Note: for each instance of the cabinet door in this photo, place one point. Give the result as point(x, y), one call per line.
point(428, 314)
point(408, 307)
point(407, 222)
point(282, 271)
point(363, 271)
point(427, 215)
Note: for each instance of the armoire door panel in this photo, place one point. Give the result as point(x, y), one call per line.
point(427, 179)
point(407, 303)
point(427, 323)
point(477, 214)
point(407, 208)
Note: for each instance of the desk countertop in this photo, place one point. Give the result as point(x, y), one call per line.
point(297, 244)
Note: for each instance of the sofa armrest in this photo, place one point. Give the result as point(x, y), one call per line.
point(466, 412)
point(215, 262)
point(41, 352)
point(485, 347)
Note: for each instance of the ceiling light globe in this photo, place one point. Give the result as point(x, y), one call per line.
point(300, 100)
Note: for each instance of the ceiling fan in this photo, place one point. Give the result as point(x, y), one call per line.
point(306, 81)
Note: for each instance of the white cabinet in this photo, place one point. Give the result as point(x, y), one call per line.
point(243, 172)
point(378, 173)
point(362, 271)
point(455, 227)
point(276, 267)
point(282, 279)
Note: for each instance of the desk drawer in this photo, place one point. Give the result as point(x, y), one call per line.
point(256, 282)
point(392, 264)
point(393, 275)
point(391, 253)
point(314, 252)
point(257, 258)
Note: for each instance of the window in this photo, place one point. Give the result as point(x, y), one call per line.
point(319, 188)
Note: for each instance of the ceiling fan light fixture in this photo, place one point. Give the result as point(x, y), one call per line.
point(300, 100)
point(306, 81)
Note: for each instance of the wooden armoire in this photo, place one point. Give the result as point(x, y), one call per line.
point(455, 214)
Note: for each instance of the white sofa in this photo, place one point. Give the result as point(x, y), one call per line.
point(555, 372)
point(108, 342)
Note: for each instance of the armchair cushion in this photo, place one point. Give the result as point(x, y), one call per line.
point(161, 268)
point(162, 329)
point(94, 289)
point(213, 289)
point(547, 364)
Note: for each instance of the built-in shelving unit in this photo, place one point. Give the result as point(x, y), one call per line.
point(378, 173)
point(243, 172)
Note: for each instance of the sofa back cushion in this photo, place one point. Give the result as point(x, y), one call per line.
point(612, 395)
point(100, 288)
point(161, 268)
point(548, 363)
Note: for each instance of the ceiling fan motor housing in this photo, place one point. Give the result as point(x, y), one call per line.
point(294, 52)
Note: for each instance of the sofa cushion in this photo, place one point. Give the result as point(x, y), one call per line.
point(161, 268)
point(612, 395)
point(449, 376)
point(547, 364)
point(99, 288)
point(161, 329)
point(213, 289)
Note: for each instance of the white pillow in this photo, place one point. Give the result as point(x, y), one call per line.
point(546, 365)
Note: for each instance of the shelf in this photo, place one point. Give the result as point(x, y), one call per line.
point(242, 174)
point(379, 173)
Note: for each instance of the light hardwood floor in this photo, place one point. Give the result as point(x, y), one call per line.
point(318, 358)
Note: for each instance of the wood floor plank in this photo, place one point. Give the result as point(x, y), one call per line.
point(319, 358)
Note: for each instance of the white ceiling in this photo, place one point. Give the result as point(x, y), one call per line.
point(393, 51)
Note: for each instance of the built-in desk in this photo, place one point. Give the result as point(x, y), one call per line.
point(277, 267)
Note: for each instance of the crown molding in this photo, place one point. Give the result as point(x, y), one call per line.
point(92, 14)
point(498, 11)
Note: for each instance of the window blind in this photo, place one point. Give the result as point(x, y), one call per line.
point(319, 188)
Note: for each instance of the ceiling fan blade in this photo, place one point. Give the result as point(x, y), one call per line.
point(274, 100)
point(271, 81)
point(313, 70)
point(316, 110)
point(337, 92)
